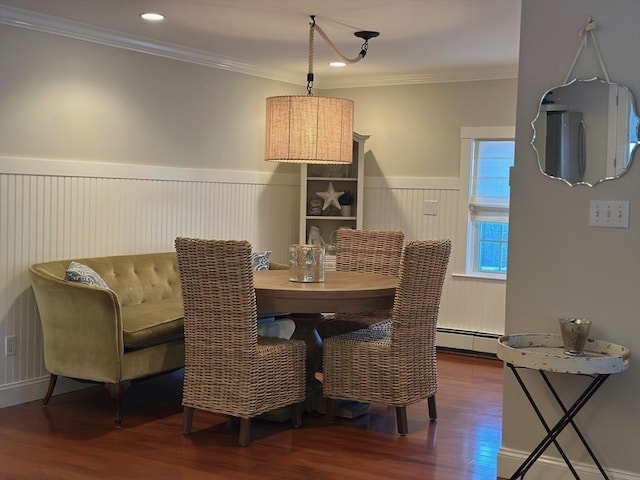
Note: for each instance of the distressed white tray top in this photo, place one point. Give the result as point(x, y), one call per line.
point(545, 351)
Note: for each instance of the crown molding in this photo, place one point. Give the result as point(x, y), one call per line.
point(471, 74)
point(21, 18)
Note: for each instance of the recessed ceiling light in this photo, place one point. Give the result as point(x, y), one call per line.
point(337, 64)
point(152, 17)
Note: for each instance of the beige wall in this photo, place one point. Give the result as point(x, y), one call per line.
point(560, 266)
point(64, 99)
point(71, 100)
point(416, 128)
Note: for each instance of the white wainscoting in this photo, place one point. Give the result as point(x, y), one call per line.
point(53, 210)
point(469, 305)
point(57, 210)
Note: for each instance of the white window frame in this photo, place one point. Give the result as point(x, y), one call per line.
point(463, 265)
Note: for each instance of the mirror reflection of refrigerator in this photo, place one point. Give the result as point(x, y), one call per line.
point(565, 155)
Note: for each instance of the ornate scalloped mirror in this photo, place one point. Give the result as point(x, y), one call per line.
point(586, 131)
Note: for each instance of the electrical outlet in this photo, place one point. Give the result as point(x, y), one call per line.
point(10, 345)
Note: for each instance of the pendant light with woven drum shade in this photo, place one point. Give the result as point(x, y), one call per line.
point(310, 129)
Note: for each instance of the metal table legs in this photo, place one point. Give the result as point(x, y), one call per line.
point(565, 419)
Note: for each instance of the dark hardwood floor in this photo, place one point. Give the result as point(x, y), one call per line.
point(74, 437)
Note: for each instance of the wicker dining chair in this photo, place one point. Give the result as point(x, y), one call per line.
point(229, 369)
point(367, 251)
point(395, 366)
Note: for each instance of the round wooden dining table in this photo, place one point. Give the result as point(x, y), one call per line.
point(340, 292)
point(344, 292)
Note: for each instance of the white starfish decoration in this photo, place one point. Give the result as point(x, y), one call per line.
point(330, 197)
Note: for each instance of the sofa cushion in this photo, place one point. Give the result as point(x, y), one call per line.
point(150, 322)
point(80, 273)
point(140, 278)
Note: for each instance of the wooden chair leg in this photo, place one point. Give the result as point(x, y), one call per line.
point(433, 412)
point(117, 391)
point(401, 417)
point(297, 414)
point(245, 431)
point(187, 420)
point(331, 410)
point(52, 384)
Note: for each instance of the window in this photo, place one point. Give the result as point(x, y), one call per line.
point(634, 136)
point(487, 156)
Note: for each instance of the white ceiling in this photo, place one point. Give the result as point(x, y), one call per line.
point(420, 40)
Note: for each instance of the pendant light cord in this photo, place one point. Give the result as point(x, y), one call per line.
point(312, 25)
point(366, 35)
point(332, 47)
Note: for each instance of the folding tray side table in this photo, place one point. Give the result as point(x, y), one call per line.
point(545, 353)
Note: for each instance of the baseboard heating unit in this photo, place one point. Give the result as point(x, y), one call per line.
point(467, 340)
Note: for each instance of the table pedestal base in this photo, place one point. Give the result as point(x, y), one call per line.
point(306, 330)
point(351, 409)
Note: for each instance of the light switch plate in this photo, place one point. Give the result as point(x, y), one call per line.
point(430, 207)
point(609, 213)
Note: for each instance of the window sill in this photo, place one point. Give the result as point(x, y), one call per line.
point(481, 276)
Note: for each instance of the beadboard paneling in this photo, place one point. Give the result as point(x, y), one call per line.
point(48, 217)
point(53, 210)
point(468, 304)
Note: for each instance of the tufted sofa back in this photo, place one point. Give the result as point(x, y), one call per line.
point(134, 278)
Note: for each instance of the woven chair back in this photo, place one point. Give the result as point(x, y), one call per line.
point(220, 320)
point(368, 251)
point(417, 300)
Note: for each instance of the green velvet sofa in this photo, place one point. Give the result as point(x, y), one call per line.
point(131, 330)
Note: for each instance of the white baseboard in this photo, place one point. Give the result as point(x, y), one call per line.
point(35, 389)
point(467, 340)
point(549, 468)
